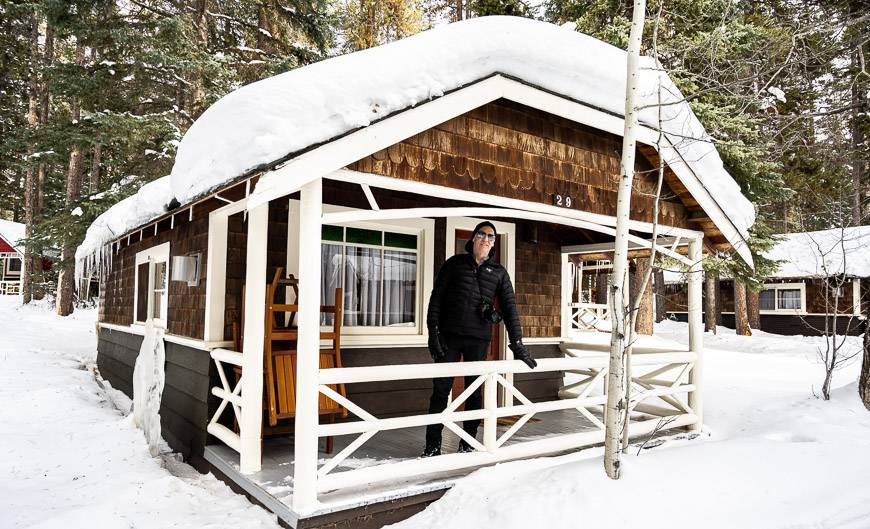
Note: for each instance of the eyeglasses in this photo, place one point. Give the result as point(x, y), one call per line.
point(483, 235)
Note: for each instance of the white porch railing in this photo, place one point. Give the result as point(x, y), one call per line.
point(10, 288)
point(661, 376)
point(587, 316)
point(229, 394)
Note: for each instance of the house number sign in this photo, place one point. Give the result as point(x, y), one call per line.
point(562, 201)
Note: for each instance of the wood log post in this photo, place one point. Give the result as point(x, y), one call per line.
point(645, 314)
point(741, 321)
point(752, 310)
point(711, 316)
point(696, 331)
point(308, 356)
point(251, 423)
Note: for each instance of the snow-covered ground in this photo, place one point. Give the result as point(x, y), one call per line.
point(70, 459)
point(775, 457)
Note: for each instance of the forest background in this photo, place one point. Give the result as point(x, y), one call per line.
point(95, 95)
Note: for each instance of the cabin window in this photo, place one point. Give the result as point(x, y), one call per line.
point(378, 272)
point(152, 285)
point(785, 297)
point(14, 266)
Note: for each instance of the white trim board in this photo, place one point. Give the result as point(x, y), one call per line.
point(139, 330)
point(289, 177)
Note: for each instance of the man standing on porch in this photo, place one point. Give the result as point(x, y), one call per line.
point(460, 319)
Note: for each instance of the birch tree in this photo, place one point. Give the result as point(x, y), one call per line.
point(616, 398)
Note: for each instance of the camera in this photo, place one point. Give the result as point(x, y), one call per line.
point(489, 313)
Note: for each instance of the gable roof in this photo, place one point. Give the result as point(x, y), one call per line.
point(263, 124)
point(12, 233)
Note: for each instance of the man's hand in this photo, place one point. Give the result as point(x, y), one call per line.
point(521, 353)
point(436, 346)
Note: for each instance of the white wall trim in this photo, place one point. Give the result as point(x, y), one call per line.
point(193, 343)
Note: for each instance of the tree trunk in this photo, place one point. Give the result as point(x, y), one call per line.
point(94, 176)
point(864, 378)
point(659, 286)
point(645, 315)
point(752, 311)
point(711, 315)
point(614, 412)
point(64, 303)
point(30, 175)
point(741, 322)
point(859, 113)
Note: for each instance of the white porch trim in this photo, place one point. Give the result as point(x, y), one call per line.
point(334, 155)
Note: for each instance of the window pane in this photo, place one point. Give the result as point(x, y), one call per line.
point(160, 275)
point(332, 233)
point(330, 277)
point(158, 304)
point(142, 292)
point(789, 299)
point(14, 265)
point(400, 287)
point(400, 240)
point(766, 300)
point(362, 285)
point(362, 236)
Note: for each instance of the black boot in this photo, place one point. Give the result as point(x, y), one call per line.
point(464, 448)
point(432, 450)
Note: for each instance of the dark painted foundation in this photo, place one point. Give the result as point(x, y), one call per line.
point(795, 325)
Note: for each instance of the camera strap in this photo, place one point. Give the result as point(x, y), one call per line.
point(475, 271)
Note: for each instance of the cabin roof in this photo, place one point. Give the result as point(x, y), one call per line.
point(265, 123)
point(12, 233)
point(823, 253)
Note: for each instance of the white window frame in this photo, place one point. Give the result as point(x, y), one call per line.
point(7, 271)
point(374, 336)
point(786, 286)
point(153, 255)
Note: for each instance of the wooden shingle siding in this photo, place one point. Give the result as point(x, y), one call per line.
point(510, 150)
point(186, 304)
point(184, 408)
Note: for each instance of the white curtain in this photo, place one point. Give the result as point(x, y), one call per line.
point(400, 286)
point(362, 281)
point(330, 277)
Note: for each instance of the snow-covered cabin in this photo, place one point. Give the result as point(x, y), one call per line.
point(823, 281)
point(11, 257)
point(364, 173)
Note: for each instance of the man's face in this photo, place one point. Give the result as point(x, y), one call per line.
point(482, 242)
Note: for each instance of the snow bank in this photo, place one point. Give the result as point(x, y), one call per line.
point(149, 376)
point(266, 121)
point(12, 232)
point(823, 253)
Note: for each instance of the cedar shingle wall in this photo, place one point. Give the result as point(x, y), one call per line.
point(186, 305)
point(510, 150)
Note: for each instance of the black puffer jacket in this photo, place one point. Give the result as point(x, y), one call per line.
point(454, 306)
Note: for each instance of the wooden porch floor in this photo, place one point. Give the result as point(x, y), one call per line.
point(273, 485)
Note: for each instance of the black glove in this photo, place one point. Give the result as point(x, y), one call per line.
point(437, 348)
point(521, 353)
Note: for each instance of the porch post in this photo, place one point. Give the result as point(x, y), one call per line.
point(216, 277)
point(308, 357)
point(696, 330)
point(567, 290)
point(252, 349)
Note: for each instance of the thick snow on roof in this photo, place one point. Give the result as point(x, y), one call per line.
point(823, 253)
point(266, 121)
point(147, 204)
point(12, 232)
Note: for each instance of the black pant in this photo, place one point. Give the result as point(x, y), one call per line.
point(470, 350)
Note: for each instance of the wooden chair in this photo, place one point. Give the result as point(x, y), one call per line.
point(279, 357)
